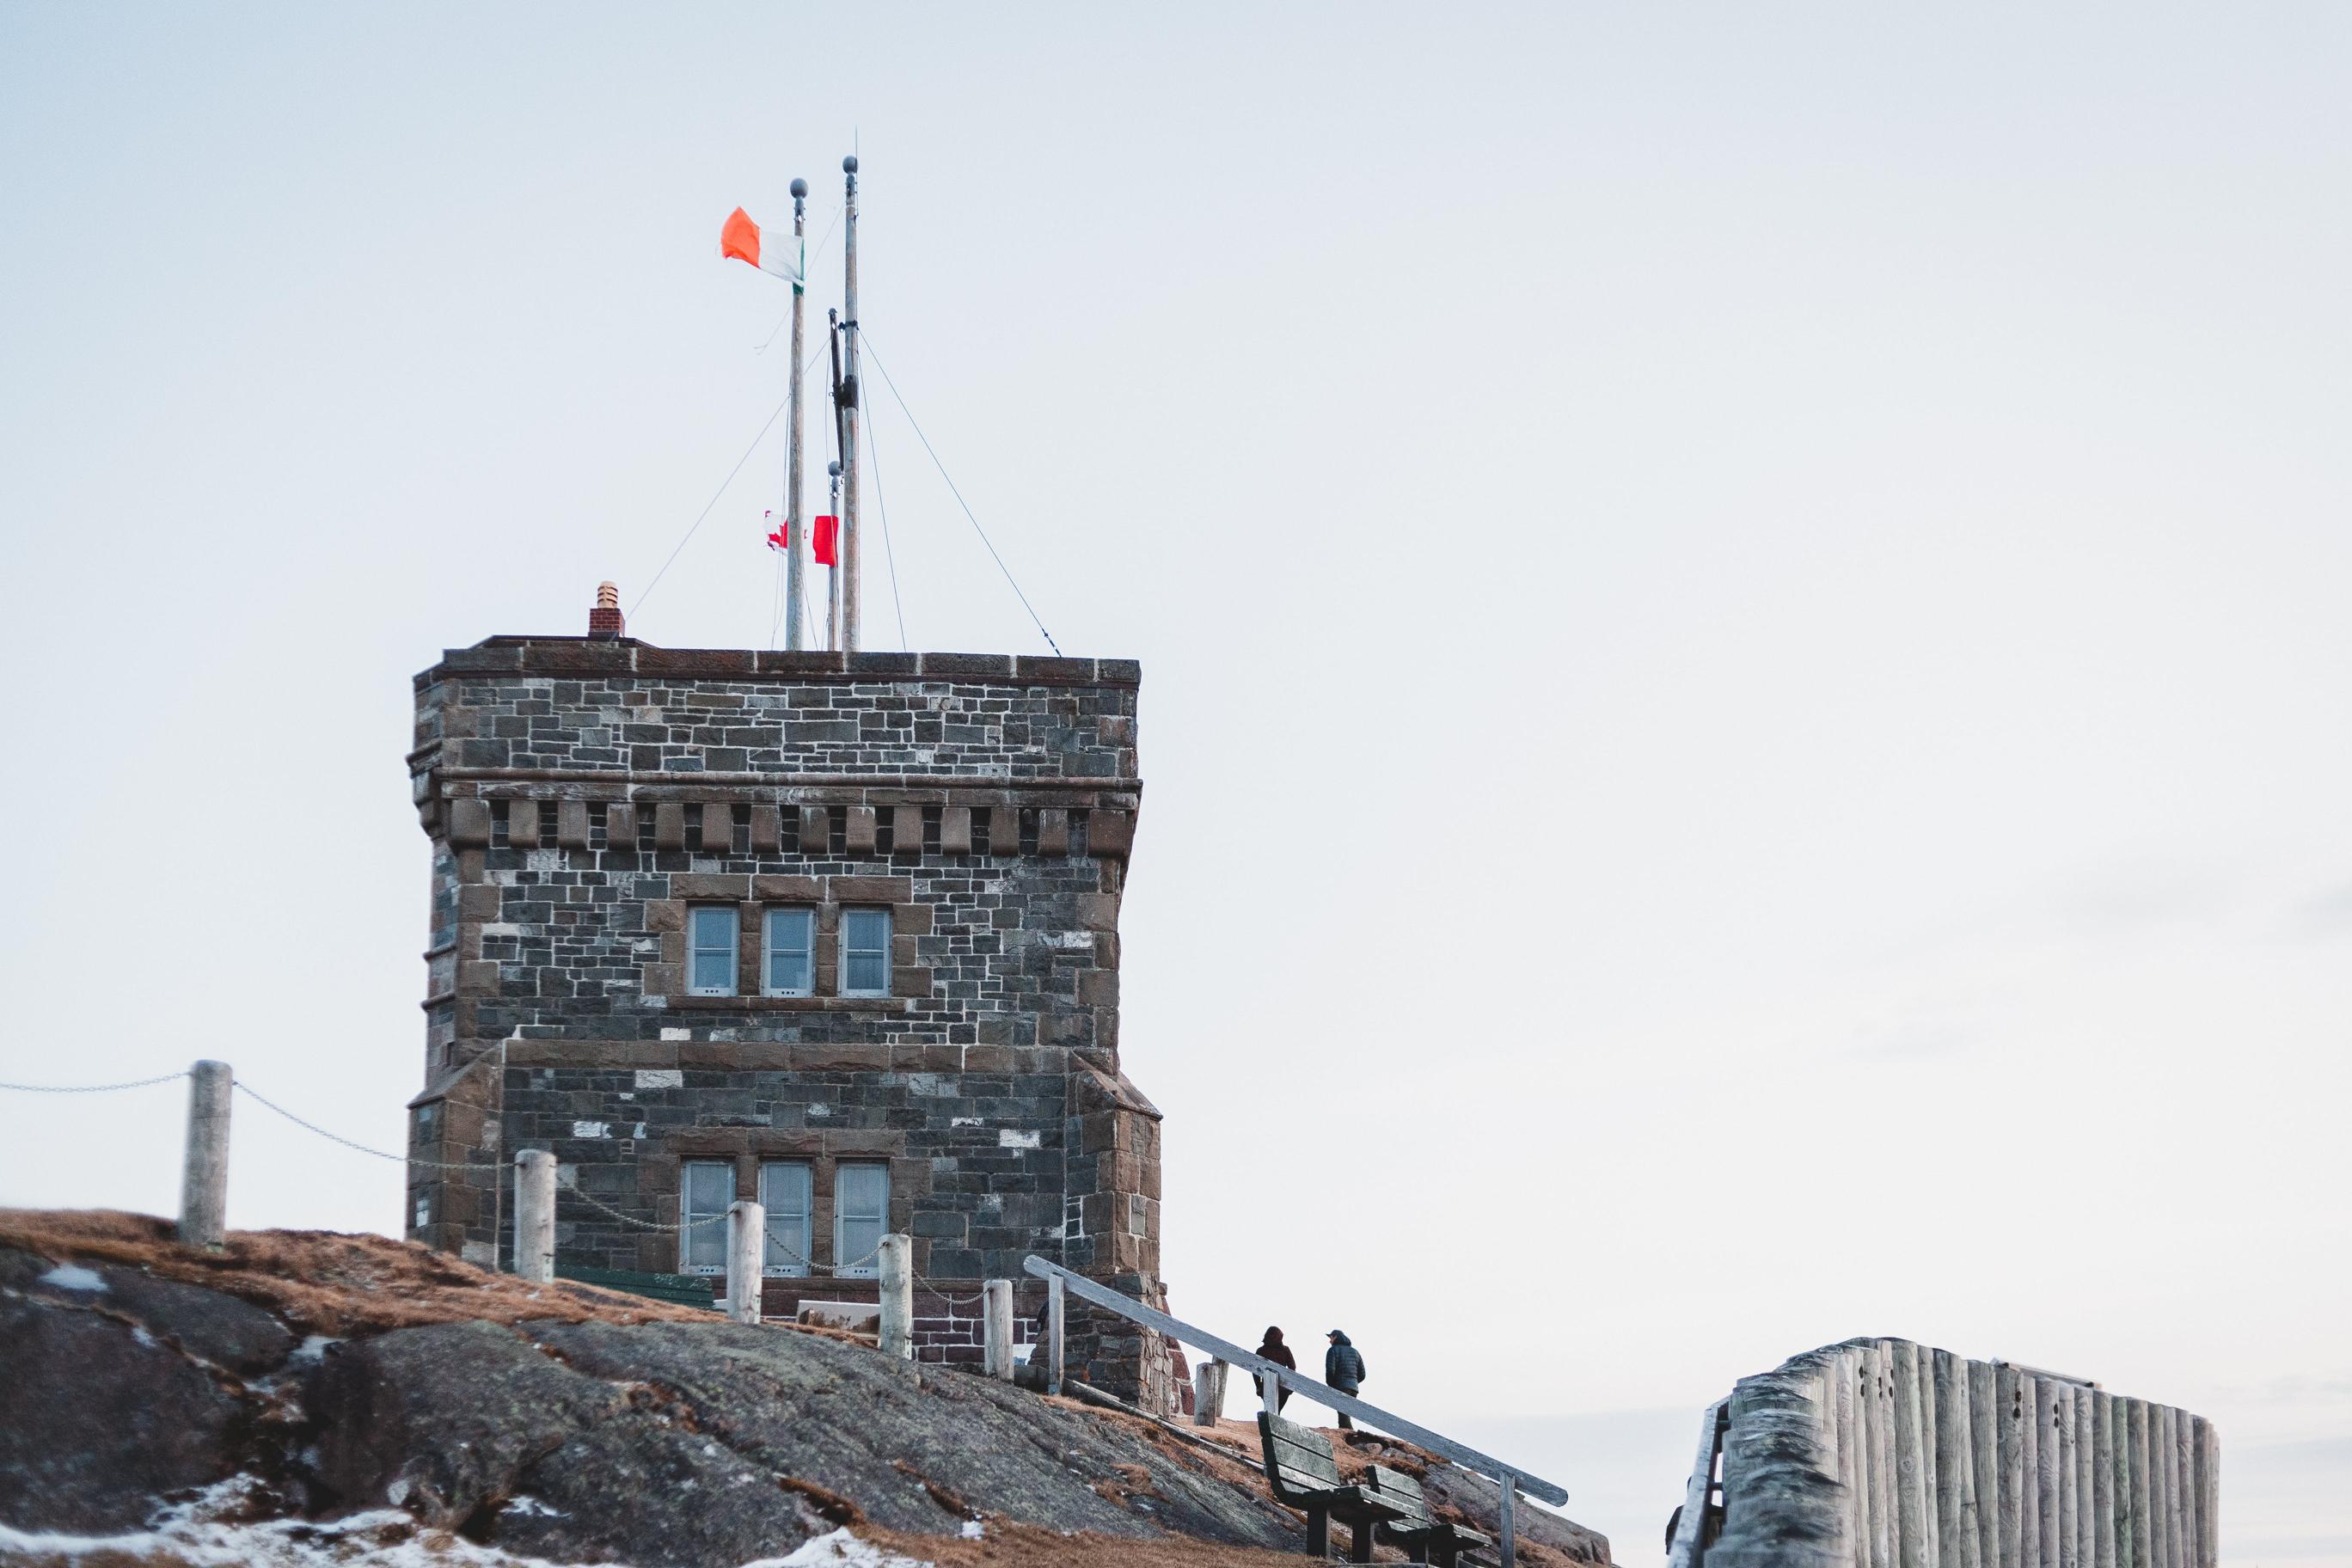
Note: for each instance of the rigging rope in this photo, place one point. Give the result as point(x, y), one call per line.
point(91, 1087)
point(873, 452)
point(250, 1092)
point(867, 338)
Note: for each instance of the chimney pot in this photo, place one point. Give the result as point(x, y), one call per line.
point(604, 620)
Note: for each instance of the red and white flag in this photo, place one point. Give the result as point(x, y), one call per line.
point(739, 237)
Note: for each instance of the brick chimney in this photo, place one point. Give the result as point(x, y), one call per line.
point(604, 620)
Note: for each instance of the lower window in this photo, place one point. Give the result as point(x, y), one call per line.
point(784, 1193)
point(706, 1188)
point(861, 1213)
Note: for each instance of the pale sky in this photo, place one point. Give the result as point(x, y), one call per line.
point(1742, 613)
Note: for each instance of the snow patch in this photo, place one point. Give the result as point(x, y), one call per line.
point(74, 1277)
point(840, 1549)
point(311, 1350)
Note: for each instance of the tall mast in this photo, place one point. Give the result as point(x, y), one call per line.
point(833, 573)
point(848, 395)
point(795, 535)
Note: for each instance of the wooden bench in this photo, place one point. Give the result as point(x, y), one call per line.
point(1425, 1537)
point(1300, 1469)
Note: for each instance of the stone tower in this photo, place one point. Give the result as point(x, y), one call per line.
point(837, 931)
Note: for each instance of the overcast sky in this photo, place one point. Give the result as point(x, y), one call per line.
point(1743, 614)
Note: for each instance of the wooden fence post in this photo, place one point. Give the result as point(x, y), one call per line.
point(204, 1179)
point(897, 1271)
point(996, 1329)
point(1054, 1313)
point(1208, 1392)
point(747, 1256)
point(1507, 1526)
point(534, 1238)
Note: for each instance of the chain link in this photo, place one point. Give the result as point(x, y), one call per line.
point(813, 1264)
point(634, 1220)
point(91, 1087)
point(337, 1138)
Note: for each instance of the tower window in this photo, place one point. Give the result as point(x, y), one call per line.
point(861, 1213)
point(784, 1193)
point(706, 1188)
point(866, 952)
point(791, 952)
point(710, 958)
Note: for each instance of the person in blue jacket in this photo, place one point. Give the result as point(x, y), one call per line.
point(1343, 1368)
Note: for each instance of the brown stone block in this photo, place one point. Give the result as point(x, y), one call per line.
point(826, 963)
point(1099, 911)
point(905, 832)
point(471, 865)
point(1053, 832)
point(1105, 951)
point(902, 947)
point(661, 979)
point(988, 1059)
point(1107, 1028)
point(860, 839)
point(657, 1253)
point(477, 977)
point(621, 827)
point(664, 914)
point(1110, 833)
point(787, 889)
point(673, 947)
point(479, 903)
point(816, 830)
point(669, 826)
point(717, 830)
point(1099, 988)
point(732, 887)
point(870, 889)
point(910, 920)
point(955, 830)
point(767, 830)
point(469, 823)
point(842, 1057)
point(571, 824)
point(522, 824)
point(909, 982)
point(1003, 830)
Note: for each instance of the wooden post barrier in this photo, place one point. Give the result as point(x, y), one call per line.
point(897, 1271)
point(1208, 1392)
point(747, 1255)
point(996, 1329)
point(534, 1236)
point(1506, 1525)
point(1054, 1313)
point(1913, 1540)
point(204, 1177)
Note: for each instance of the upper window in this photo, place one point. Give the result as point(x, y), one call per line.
point(791, 950)
point(866, 952)
point(861, 1213)
point(708, 1188)
point(784, 1193)
point(711, 950)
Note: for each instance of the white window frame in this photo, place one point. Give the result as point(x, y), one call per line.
point(786, 1227)
point(769, 921)
point(695, 948)
point(691, 1236)
point(851, 1262)
point(850, 917)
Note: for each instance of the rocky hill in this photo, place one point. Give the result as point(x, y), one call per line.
point(305, 1398)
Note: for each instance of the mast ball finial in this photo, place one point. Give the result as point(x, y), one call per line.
point(799, 189)
point(832, 470)
point(849, 165)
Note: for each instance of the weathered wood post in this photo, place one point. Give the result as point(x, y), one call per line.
point(204, 1178)
point(1054, 1312)
point(996, 1329)
point(1208, 1392)
point(897, 1271)
point(747, 1256)
point(2208, 1494)
point(1506, 1525)
point(534, 1236)
point(1914, 1460)
point(1269, 1394)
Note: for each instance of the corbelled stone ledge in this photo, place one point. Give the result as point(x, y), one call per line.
point(576, 658)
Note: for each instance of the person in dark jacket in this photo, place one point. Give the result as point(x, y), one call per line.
point(1273, 1350)
point(1343, 1368)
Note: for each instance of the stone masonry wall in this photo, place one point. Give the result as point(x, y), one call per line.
point(583, 796)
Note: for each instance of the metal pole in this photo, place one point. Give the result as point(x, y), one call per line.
point(746, 1250)
point(833, 573)
point(1506, 1527)
point(1053, 1294)
point(849, 395)
point(996, 1334)
point(897, 1267)
point(795, 534)
point(535, 1216)
point(204, 1179)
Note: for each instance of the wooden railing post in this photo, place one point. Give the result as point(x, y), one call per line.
point(996, 1329)
point(204, 1179)
point(1208, 1392)
point(534, 1238)
point(897, 1271)
point(747, 1256)
point(1507, 1526)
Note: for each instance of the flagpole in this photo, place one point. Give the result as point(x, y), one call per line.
point(795, 532)
point(833, 573)
point(849, 529)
